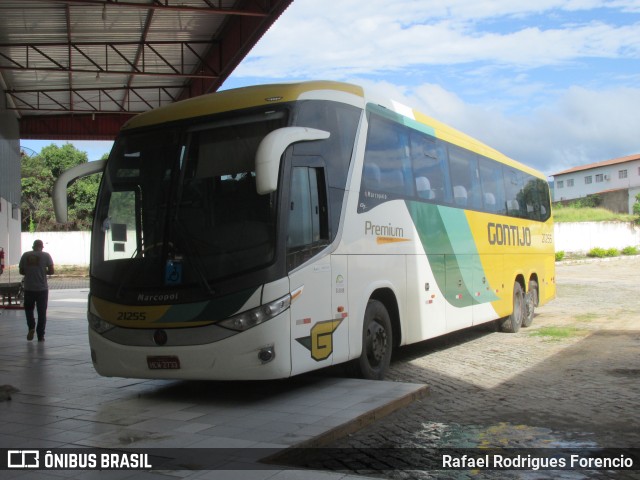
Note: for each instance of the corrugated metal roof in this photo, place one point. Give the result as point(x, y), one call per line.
point(605, 163)
point(60, 59)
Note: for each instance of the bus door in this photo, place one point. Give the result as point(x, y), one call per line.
point(310, 279)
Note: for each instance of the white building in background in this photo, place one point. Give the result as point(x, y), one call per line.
point(616, 181)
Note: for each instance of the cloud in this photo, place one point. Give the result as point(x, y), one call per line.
point(551, 83)
point(582, 126)
point(355, 37)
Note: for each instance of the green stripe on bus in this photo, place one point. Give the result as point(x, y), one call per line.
point(401, 119)
point(449, 245)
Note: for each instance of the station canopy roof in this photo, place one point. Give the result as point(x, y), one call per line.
point(79, 69)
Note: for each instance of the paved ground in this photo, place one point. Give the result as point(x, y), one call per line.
point(490, 389)
point(529, 390)
point(60, 282)
point(52, 398)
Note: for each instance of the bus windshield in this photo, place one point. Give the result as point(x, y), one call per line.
point(178, 206)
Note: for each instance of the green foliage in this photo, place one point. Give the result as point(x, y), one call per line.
point(590, 201)
point(636, 208)
point(559, 255)
point(582, 214)
point(38, 176)
point(629, 251)
point(597, 252)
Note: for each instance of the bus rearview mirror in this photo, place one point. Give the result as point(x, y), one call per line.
point(63, 181)
point(271, 149)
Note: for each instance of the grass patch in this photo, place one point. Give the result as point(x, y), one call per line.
point(587, 317)
point(589, 214)
point(557, 333)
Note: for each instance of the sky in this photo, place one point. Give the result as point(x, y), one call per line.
point(551, 83)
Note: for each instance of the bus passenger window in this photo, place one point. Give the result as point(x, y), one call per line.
point(534, 195)
point(492, 185)
point(429, 160)
point(513, 186)
point(463, 166)
point(387, 167)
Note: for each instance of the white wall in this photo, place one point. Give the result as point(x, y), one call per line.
point(66, 248)
point(583, 236)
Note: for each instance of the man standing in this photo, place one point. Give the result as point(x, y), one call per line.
point(35, 266)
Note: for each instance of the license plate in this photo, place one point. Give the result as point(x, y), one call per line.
point(163, 363)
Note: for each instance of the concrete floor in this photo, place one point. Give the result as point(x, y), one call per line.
point(223, 428)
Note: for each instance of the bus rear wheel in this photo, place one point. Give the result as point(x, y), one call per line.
point(377, 342)
point(513, 322)
point(530, 302)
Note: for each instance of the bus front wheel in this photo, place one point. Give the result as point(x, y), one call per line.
point(377, 342)
point(513, 322)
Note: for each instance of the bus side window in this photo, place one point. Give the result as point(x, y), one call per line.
point(463, 166)
point(387, 167)
point(429, 160)
point(308, 216)
point(544, 199)
point(514, 190)
point(492, 185)
point(533, 195)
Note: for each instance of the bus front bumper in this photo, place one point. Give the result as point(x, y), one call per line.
point(262, 352)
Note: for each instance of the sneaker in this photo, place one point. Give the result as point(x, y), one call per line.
point(41, 339)
point(31, 334)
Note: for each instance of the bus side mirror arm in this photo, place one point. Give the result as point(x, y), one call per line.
point(68, 176)
point(271, 149)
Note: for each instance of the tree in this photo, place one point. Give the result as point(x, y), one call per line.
point(39, 173)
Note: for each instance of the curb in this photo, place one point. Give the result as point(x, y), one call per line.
point(357, 423)
point(579, 261)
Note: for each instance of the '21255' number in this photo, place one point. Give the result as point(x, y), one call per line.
point(132, 316)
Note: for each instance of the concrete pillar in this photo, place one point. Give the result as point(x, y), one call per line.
point(10, 187)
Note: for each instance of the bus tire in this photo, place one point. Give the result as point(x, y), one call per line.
point(530, 302)
point(377, 342)
point(513, 322)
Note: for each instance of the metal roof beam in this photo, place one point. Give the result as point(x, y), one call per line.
point(68, 21)
point(111, 72)
point(163, 6)
point(137, 65)
point(239, 35)
point(139, 55)
point(104, 95)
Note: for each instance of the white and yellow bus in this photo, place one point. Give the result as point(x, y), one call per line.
point(268, 231)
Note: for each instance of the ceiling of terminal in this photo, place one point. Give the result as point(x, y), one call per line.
point(78, 69)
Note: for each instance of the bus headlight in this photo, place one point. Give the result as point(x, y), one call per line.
point(256, 316)
point(99, 325)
